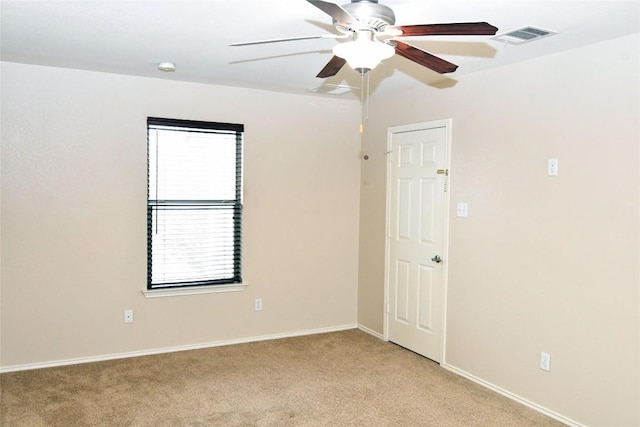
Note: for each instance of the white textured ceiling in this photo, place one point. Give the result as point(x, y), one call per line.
point(132, 37)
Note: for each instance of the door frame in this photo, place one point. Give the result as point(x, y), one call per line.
point(447, 124)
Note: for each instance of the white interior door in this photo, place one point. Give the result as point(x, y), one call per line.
point(416, 230)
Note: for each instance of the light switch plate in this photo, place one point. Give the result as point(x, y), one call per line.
point(462, 210)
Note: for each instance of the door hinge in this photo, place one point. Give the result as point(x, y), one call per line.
point(443, 172)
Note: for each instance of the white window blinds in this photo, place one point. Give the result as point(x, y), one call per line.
point(194, 206)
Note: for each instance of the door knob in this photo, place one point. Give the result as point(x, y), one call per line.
point(436, 259)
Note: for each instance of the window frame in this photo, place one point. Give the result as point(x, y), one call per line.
point(176, 286)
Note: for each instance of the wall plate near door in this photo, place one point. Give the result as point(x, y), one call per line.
point(462, 210)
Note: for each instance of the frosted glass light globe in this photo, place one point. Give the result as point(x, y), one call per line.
point(363, 55)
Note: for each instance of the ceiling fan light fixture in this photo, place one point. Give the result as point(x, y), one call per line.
point(363, 55)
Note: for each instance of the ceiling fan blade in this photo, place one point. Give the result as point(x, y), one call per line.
point(288, 39)
point(332, 67)
point(423, 58)
point(455, 29)
point(336, 12)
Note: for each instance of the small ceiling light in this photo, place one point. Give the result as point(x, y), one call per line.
point(364, 53)
point(167, 66)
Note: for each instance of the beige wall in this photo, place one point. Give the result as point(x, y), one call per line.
point(74, 215)
point(541, 263)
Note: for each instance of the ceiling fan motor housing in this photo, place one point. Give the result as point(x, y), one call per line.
point(370, 14)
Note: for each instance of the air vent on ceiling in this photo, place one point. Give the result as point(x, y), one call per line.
point(523, 35)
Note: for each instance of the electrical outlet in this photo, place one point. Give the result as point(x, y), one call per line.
point(258, 304)
point(128, 316)
point(552, 167)
point(545, 361)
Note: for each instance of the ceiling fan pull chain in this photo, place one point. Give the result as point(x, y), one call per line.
point(364, 99)
point(362, 103)
point(368, 93)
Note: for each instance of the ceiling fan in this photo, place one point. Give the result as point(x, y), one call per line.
point(374, 37)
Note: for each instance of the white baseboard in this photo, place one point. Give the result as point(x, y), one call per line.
point(153, 351)
point(371, 332)
point(512, 396)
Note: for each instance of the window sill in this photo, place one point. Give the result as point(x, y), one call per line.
point(213, 289)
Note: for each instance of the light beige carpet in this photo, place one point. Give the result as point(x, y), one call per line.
point(336, 379)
